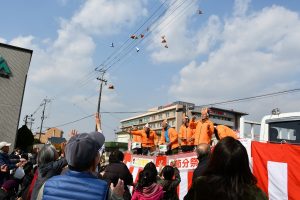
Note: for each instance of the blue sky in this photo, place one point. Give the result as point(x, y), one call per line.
point(235, 49)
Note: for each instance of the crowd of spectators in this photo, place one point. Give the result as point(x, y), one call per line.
point(76, 173)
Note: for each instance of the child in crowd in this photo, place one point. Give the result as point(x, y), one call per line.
point(168, 183)
point(147, 188)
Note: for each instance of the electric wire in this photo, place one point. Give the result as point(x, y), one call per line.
point(217, 103)
point(150, 31)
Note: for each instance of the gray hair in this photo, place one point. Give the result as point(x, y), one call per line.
point(47, 154)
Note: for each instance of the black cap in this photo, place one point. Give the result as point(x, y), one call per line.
point(83, 148)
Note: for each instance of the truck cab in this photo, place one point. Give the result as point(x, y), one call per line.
point(281, 128)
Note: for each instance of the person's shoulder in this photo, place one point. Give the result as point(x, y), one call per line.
point(172, 129)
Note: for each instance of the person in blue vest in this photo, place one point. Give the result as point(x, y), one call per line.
point(80, 181)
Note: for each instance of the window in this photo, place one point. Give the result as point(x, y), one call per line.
point(160, 116)
point(167, 114)
point(153, 117)
point(288, 131)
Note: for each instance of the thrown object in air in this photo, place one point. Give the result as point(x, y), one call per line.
point(111, 86)
point(199, 12)
point(142, 36)
point(112, 45)
point(137, 49)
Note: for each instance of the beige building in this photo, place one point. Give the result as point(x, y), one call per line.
point(50, 133)
point(173, 113)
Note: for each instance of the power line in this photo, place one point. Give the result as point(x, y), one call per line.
point(131, 47)
point(133, 44)
point(71, 122)
point(146, 40)
point(255, 97)
point(89, 76)
point(217, 103)
point(128, 39)
point(118, 112)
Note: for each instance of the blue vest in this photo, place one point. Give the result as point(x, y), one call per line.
point(75, 185)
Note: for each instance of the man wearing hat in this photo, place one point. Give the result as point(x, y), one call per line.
point(80, 181)
point(149, 138)
point(5, 163)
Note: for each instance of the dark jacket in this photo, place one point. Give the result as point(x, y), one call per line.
point(200, 168)
point(4, 195)
point(115, 171)
point(11, 164)
point(25, 186)
point(75, 185)
point(170, 186)
point(45, 172)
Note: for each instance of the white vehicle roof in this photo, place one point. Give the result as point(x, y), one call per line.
point(275, 118)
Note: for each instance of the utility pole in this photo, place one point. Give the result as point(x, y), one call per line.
point(25, 120)
point(29, 121)
point(45, 101)
point(102, 80)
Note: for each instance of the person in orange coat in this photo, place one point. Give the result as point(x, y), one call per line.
point(137, 138)
point(222, 131)
point(149, 138)
point(204, 129)
point(169, 136)
point(185, 134)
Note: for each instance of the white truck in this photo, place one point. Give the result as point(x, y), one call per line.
point(275, 158)
point(275, 128)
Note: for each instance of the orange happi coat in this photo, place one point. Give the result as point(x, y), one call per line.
point(224, 131)
point(203, 132)
point(173, 136)
point(150, 141)
point(185, 134)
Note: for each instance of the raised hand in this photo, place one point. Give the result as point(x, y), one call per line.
point(119, 189)
point(173, 163)
point(98, 122)
point(73, 132)
point(4, 168)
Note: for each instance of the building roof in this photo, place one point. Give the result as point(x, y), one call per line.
point(15, 47)
point(153, 111)
point(122, 132)
point(226, 110)
point(56, 140)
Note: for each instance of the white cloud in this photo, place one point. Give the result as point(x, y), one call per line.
point(257, 54)
point(174, 25)
point(185, 42)
point(2, 40)
point(58, 65)
point(106, 17)
point(241, 7)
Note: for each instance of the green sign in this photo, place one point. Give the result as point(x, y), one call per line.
point(4, 69)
